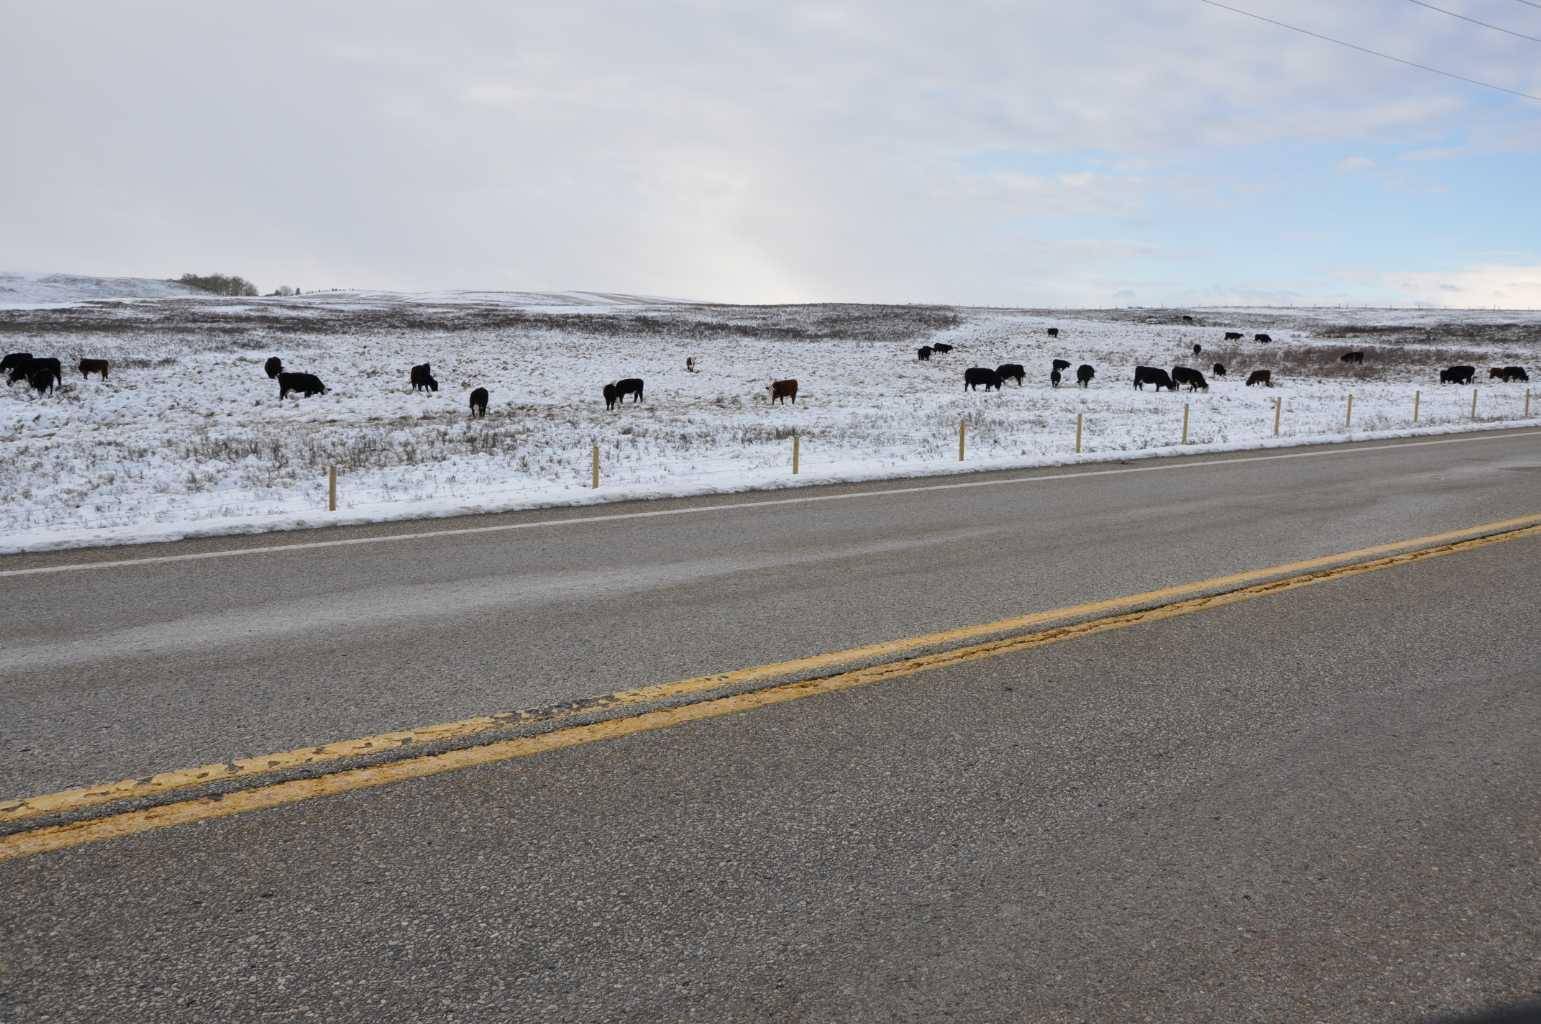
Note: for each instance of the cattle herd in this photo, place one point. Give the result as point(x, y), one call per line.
point(43, 375)
point(976, 377)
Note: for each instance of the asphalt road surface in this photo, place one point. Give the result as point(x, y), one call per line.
point(1317, 804)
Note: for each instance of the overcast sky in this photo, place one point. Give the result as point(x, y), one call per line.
point(1106, 152)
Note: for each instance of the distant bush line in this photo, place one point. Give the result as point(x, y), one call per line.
point(219, 284)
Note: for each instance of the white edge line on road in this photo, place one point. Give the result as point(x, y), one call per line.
point(1157, 466)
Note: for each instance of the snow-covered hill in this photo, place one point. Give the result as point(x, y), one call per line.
point(38, 291)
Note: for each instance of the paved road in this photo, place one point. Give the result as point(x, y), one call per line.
point(120, 672)
point(1317, 805)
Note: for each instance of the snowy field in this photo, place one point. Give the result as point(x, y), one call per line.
point(188, 436)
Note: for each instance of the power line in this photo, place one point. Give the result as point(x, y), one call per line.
point(1375, 53)
point(1528, 3)
point(1474, 21)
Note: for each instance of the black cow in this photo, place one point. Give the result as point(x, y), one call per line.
point(479, 402)
point(629, 386)
point(306, 384)
point(1054, 378)
point(1515, 373)
point(1263, 377)
point(273, 367)
point(42, 379)
point(1084, 374)
point(1012, 370)
point(1218, 370)
point(1457, 375)
point(923, 353)
point(939, 347)
point(1053, 332)
point(1187, 319)
point(422, 379)
point(1265, 339)
point(1232, 335)
point(1144, 375)
point(25, 370)
point(1351, 357)
point(14, 360)
point(1197, 349)
point(1061, 364)
point(977, 375)
point(1191, 377)
point(90, 366)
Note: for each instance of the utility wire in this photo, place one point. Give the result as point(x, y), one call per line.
point(1375, 53)
point(1528, 3)
point(1474, 21)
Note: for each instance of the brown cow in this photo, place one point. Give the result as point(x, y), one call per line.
point(782, 389)
point(90, 366)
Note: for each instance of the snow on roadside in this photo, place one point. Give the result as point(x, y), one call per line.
point(187, 436)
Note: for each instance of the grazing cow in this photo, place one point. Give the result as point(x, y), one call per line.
point(42, 379)
point(1144, 375)
point(273, 367)
point(1263, 377)
point(1197, 349)
point(1084, 374)
point(1061, 364)
point(977, 375)
point(1012, 370)
point(1053, 332)
point(629, 386)
point(90, 366)
point(14, 360)
point(1218, 370)
point(479, 403)
point(1510, 374)
point(1351, 357)
point(923, 353)
point(1265, 339)
point(1054, 378)
point(1232, 335)
point(306, 384)
point(1457, 375)
point(781, 390)
point(1191, 377)
point(609, 390)
point(25, 370)
point(939, 347)
point(690, 364)
point(1188, 320)
point(422, 379)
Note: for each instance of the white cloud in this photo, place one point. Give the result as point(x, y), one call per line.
point(1355, 164)
point(743, 152)
point(1500, 286)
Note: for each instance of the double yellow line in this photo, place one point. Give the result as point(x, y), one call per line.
point(824, 673)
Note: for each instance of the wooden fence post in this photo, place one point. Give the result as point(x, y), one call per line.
point(1278, 407)
point(794, 453)
point(961, 425)
point(1348, 417)
point(1185, 423)
point(1474, 401)
point(1078, 429)
point(331, 488)
point(1527, 402)
point(1416, 395)
point(596, 468)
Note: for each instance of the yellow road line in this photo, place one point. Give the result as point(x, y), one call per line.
point(72, 800)
point(58, 837)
